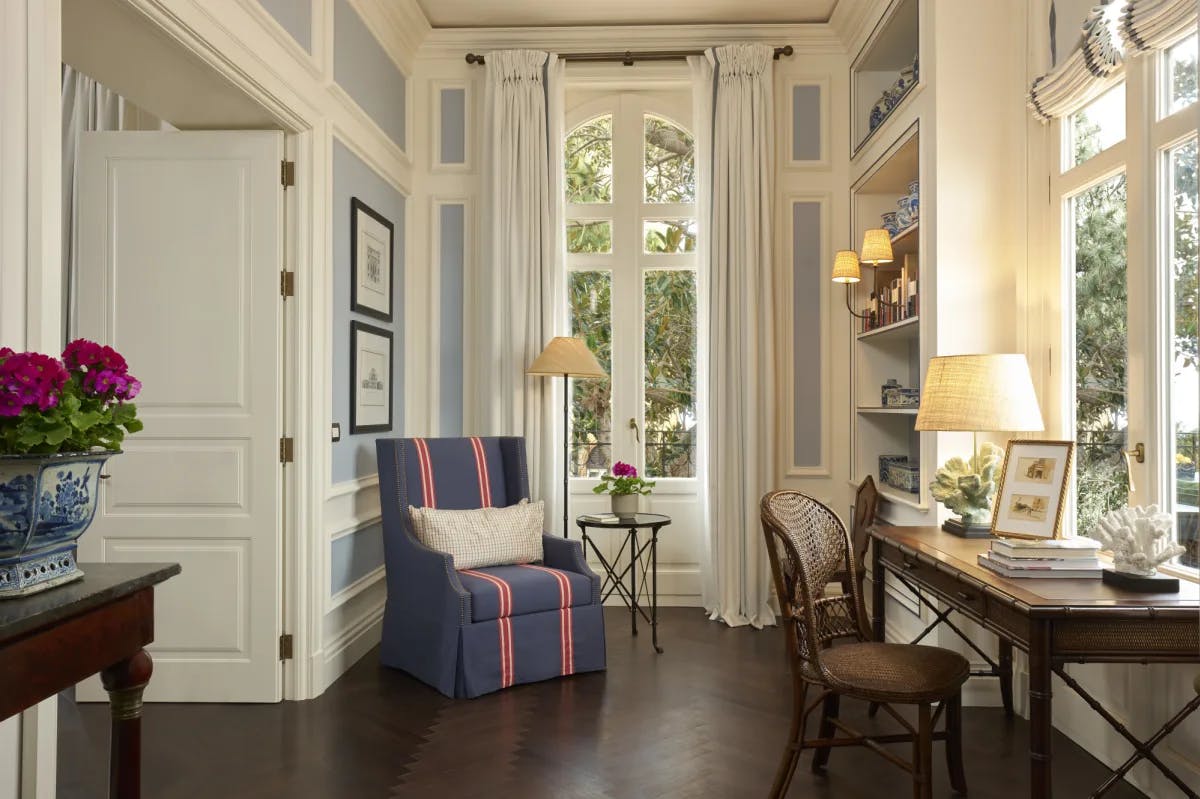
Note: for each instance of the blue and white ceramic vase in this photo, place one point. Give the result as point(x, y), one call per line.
point(46, 502)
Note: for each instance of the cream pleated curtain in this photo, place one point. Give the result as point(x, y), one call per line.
point(515, 296)
point(735, 124)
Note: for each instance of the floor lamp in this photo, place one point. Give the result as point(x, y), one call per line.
point(566, 357)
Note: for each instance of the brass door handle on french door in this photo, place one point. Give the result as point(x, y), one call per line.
point(637, 433)
point(1138, 453)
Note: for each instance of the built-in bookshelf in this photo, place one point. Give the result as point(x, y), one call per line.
point(887, 350)
point(886, 72)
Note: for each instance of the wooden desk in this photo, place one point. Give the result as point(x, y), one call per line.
point(1056, 621)
point(54, 639)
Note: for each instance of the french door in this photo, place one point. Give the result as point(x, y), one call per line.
point(633, 294)
point(1127, 184)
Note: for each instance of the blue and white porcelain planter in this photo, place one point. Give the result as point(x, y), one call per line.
point(46, 502)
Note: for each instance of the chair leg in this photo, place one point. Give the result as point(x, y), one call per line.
point(829, 710)
point(954, 755)
point(923, 755)
point(795, 742)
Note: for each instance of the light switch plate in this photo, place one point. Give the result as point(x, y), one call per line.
point(335, 432)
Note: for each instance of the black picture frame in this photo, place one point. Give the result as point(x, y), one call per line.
point(362, 216)
point(357, 423)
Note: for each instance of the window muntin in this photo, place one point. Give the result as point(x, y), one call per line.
point(669, 169)
point(1101, 349)
point(1097, 126)
point(1180, 74)
point(670, 372)
point(589, 300)
point(1184, 453)
point(588, 158)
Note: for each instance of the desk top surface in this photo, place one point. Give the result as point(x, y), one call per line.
point(960, 555)
point(102, 583)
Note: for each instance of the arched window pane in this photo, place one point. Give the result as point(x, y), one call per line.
point(589, 295)
point(588, 162)
point(670, 170)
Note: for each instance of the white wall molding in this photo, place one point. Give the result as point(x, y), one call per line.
point(357, 587)
point(348, 487)
point(436, 164)
point(455, 43)
point(358, 623)
point(310, 61)
point(785, 236)
point(357, 127)
point(403, 20)
point(853, 21)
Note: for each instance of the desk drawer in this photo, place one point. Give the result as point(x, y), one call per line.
point(966, 595)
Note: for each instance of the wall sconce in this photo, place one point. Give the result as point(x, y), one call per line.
point(876, 250)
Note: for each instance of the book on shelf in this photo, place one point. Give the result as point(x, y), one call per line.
point(1039, 571)
point(895, 296)
point(1049, 548)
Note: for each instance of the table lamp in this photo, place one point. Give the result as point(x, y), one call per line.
point(566, 357)
point(970, 393)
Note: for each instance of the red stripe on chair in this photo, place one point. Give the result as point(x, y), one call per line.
point(503, 623)
point(426, 466)
point(485, 483)
point(565, 630)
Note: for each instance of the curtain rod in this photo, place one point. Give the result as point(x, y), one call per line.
point(628, 57)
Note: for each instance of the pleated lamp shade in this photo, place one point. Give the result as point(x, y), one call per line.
point(845, 267)
point(566, 356)
point(876, 247)
point(979, 393)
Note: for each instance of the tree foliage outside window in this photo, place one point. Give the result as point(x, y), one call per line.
point(588, 160)
point(589, 297)
point(670, 169)
point(670, 355)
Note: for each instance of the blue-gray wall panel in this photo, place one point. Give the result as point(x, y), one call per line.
point(453, 227)
point(363, 68)
point(295, 16)
point(454, 126)
point(806, 123)
point(808, 281)
point(354, 456)
point(354, 556)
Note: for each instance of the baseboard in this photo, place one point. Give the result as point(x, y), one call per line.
point(349, 646)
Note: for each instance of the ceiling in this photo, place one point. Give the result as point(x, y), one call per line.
point(539, 13)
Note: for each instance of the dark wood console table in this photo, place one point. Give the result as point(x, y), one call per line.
point(54, 639)
point(1056, 621)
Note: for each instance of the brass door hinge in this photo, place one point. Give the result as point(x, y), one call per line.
point(286, 450)
point(287, 283)
point(285, 646)
point(287, 173)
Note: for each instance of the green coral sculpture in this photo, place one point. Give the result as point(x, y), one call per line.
point(966, 487)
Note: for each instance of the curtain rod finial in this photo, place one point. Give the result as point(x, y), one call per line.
point(474, 59)
point(782, 51)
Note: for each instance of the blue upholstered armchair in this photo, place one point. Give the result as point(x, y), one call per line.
point(470, 632)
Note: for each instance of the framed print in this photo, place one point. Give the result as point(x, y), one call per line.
point(370, 261)
point(370, 379)
point(1033, 489)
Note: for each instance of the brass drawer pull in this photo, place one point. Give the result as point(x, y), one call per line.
point(909, 565)
point(965, 597)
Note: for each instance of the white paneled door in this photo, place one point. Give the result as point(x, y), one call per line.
point(180, 241)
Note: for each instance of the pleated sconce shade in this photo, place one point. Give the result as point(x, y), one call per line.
point(876, 247)
point(979, 393)
point(566, 356)
point(845, 267)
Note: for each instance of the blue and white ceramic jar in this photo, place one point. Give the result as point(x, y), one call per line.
point(891, 222)
point(46, 503)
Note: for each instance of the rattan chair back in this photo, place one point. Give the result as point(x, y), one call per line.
point(808, 545)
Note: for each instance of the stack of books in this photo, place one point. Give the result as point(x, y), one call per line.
point(1067, 558)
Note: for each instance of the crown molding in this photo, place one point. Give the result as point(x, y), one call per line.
point(400, 26)
point(807, 39)
point(853, 21)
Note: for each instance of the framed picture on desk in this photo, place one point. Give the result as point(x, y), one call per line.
point(1033, 489)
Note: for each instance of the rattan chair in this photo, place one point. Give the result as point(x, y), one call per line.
point(808, 545)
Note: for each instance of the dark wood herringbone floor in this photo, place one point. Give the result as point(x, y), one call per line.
point(705, 719)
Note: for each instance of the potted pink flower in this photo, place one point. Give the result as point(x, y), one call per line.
point(624, 485)
point(60, 420)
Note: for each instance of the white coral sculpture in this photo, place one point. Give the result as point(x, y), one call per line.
point(1140, 538)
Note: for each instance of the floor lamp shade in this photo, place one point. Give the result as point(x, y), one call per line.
point(979, 392)
point(567, 356)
